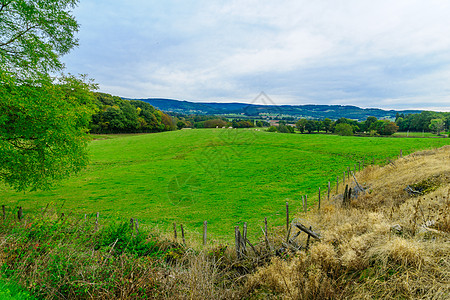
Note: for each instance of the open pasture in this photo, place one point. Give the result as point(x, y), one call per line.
point(224, 176)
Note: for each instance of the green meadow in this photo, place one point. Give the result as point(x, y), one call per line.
point(224, 176)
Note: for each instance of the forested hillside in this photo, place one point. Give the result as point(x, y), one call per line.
point(115, 115)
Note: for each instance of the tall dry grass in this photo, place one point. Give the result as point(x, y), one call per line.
point(387, 244)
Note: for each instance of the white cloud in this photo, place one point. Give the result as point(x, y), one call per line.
point(366, 53)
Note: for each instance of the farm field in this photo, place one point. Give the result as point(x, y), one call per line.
point(224, 176)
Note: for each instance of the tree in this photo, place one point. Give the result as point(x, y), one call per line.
point(327, 124)
point(43, 120)
point(310, 126)
point(35, 33)
point(42, 130)
point(301, 125)
point(437, 125)
point(344, 129)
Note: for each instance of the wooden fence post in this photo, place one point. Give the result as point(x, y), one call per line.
point(137, 226)
point(337, 184)
point(175, 230)
point(319, 198)
point(359, 166)
point(4, 212)
point(96, 221)
point(182, 234)
point(306, 203)
point(266, 238)
point(287, 216)
point(348, 173)
point(401, 153)
point(20, 213)
point(205, 229)
point(237, 241)
point(244, 238)
point(343, 179)
point(329, 190)
point(132, 225)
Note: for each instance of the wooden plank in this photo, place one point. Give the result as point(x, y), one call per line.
point(307, 231)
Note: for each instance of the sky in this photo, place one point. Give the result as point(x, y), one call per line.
point(390, 54)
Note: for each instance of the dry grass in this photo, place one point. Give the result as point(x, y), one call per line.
point(387, 244)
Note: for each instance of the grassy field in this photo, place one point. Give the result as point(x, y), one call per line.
point(226, 177)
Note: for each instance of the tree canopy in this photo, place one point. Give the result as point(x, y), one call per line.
point(43, 119)
point(35, 33)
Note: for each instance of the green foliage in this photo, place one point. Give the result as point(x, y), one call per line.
point(67, 258)
point(11, 291)
point(384, 127)
point(125, 240)
point(34, 34)
point(436, 125)
point(115, 115)
point(344, 129)
point(43, 128)
point(215, 123)
point(236, 123)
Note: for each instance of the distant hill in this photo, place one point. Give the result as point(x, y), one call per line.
point(253, 110)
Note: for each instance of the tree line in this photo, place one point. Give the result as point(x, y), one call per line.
point(426, 121)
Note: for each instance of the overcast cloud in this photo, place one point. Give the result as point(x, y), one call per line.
point(387, 54)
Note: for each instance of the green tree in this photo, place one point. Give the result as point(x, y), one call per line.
point(344, 129)
point(310, 126)
point(301, 125)
point(43, 120)
point(327, 124)
point(437, 125)
point(35, 33)
point(42, 130)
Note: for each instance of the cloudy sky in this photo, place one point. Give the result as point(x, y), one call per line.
point(392, 54)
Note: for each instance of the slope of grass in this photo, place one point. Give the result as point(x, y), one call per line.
point(226, 177)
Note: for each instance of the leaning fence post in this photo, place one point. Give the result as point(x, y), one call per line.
point(205, 228)
point(182, 234)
